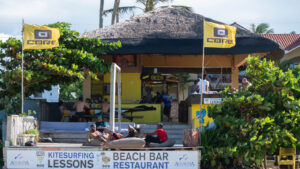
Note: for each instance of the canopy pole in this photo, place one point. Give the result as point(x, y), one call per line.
point(22, 67)
point(119, 99)
point(115, 69)
point(112, 97)
point(201, 89)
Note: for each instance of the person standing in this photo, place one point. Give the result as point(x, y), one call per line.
point(105, 109)
point(162, 135)
point(167, 105)
point(157, 99)
point(80, 106)
point(192, 88)
point(205, 87)
point(245, 83)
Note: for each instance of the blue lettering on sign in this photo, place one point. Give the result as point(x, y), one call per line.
point(142, 165)
point(71, 155)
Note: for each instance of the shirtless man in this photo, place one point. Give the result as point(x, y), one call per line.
point(105, 109)
point(93, 135)
point(79, 106)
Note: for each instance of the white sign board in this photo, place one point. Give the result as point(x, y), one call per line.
point(212, 100)
point(36, 159)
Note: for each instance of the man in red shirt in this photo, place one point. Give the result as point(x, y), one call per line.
point(162, 136)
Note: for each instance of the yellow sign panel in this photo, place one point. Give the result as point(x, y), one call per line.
point(218, 35)
point(200, 119)
point(40, 37)
point(151, 116)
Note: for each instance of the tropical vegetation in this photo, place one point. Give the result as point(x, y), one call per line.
point(74, 59)
point(261, 28)
point(254, 122)
point(144, 5)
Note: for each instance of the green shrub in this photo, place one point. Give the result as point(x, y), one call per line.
point(257, 121)
point(31, 131)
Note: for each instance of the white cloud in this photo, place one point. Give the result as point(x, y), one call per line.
point(4, 37)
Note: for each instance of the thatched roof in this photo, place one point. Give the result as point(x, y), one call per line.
point(173, 31)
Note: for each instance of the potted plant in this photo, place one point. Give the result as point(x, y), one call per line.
point(28, 135)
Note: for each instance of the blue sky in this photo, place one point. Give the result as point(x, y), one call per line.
point(281, 15)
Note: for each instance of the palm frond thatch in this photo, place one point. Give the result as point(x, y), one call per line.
point(121, 10)
point(179, 7)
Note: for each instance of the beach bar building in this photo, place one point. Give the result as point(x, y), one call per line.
point(159, 44)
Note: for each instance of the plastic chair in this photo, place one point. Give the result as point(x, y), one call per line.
point(285, 153)
point(67, 114)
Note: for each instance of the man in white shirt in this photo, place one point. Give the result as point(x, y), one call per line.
point(204, 87)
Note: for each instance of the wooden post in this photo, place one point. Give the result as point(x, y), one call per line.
point(235, 77)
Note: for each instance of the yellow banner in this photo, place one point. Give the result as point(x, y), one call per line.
point(218, 35)
point(40, 37)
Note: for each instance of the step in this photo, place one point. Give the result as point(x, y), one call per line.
point(169, 132)
point(81, 140)
point(165, 127)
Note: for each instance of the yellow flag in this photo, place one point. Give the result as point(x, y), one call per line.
point(218, 35)
point(40, 37)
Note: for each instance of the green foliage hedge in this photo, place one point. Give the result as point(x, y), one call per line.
point(256, 121)
point(74, 59)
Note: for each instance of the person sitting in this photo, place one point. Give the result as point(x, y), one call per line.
point(162, 135)
point(131, 131)
point(94, 136)
point(100, 124)
point(80, 106)
point(87, 109)
point(61, 107)
point(112, 135)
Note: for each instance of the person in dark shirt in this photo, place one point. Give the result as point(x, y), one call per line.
point(167, 105)
point(162, 135)
point(131, 131)
point(100, 124)
point(158, 98)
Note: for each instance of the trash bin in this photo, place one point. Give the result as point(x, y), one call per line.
point(191, 137)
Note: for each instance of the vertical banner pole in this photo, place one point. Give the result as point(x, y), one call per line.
point(112, 96)
point(22, 65)
point(203, 56)
point(119, 100)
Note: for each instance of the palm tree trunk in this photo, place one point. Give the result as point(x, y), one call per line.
point(116, 6)
point(149, 5)
point(118, 16)
point(101, 14)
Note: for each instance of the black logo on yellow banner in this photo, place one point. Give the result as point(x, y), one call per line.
point(42, 37)
point(220, 32)
point(42, 34)
point(219, 35)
